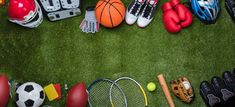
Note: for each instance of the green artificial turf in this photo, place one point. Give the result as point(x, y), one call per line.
point(58, 52)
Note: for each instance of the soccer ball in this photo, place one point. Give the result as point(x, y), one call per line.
point(29, 94)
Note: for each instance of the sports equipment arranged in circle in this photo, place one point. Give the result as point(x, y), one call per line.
point(111, 13)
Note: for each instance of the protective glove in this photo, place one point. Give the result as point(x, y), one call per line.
point(182, 89)
point(170, 18)
point(183, 12)
point(89, 24)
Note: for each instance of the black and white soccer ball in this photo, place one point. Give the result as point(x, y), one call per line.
point(29, 94)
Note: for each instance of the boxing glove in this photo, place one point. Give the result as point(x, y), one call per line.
point(170, 18)
point(183, 12)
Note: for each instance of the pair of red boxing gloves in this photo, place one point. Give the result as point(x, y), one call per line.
point(176, 16)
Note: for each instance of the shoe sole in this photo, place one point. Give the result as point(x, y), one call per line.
point(221, 89)
point(129, 24)
point(208, 94)
point(142, 27)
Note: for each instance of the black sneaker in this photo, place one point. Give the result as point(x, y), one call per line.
point(229, 80)
point(133, 11)
point(209, 95)
point(221, 89)
point(148, 13)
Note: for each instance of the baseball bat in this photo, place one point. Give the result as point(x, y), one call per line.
point(165, 90)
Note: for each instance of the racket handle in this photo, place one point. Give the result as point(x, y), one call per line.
point(165, 90)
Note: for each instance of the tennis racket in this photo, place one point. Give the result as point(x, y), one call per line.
point(99, 95)
point(134, 92)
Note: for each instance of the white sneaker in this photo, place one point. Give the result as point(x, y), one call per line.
point(148, 13)
point(133, 11)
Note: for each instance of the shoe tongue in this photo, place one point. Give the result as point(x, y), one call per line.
point(153, 2)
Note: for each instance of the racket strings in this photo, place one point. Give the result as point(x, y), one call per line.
point(98, 95)
point(117, 96)
point(133, 93)
point(121, 93)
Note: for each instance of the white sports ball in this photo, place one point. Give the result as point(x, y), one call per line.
point(29, 94)
point(186, 85)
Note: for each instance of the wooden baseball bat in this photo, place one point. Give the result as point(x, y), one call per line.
point(165, 90)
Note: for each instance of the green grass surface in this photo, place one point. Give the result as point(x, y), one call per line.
point(58, 52)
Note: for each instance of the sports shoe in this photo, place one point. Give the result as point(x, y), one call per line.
point(147, 15)
point(221, 89)
point(133, 11)
point(209, 95)
point(229, 80)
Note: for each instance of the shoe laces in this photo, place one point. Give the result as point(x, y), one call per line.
point(136, 7)
point(151, 4)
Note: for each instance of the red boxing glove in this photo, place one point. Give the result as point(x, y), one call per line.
point(183, 12)
point(170, 18)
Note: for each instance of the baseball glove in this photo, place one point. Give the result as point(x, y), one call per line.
point(182, 89)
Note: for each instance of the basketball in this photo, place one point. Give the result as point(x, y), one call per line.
point(110, 13)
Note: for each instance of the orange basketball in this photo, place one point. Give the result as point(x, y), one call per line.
point(110, 13)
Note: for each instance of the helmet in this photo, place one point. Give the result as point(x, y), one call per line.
point(26, 13)
point(206, 10)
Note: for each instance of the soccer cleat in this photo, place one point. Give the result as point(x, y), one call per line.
point(133, 11)
point(209, 95)
point(229, 80)
point(147, 15)
point(221, 89)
